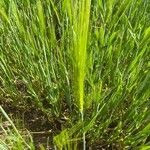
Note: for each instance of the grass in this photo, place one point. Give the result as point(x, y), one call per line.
point(87, 62)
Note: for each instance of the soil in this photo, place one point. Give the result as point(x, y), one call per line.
point(43, 130)
point(35, 121)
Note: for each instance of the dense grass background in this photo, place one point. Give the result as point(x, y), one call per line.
point(86, 61)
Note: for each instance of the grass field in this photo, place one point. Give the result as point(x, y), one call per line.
point(76, 73)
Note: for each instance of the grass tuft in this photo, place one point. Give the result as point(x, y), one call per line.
point(73, 57)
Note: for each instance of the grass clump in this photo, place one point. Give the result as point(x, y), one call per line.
point(86, 62)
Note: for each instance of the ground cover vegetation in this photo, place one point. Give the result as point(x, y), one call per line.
point(81, 68)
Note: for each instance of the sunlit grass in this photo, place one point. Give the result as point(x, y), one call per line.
point(86, 60)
